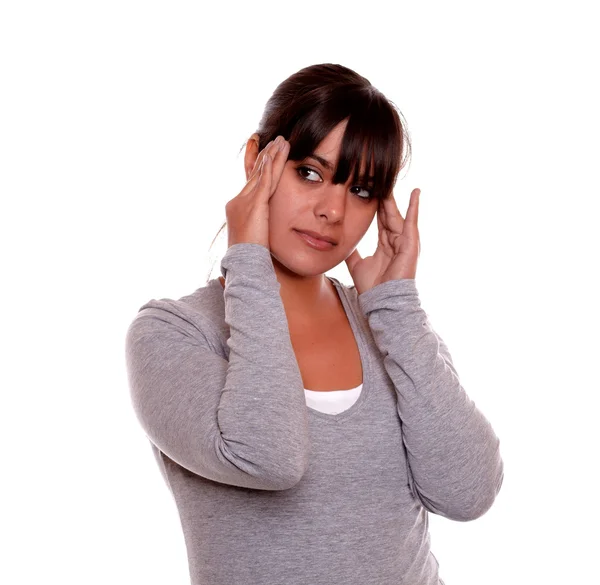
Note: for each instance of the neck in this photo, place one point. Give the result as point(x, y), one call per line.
point(304, 295)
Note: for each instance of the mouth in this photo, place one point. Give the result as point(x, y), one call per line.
point(315, 242)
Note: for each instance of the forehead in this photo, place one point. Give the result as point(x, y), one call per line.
point(329, 147)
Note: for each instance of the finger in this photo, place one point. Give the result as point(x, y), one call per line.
point(254, 177)
point(280, 156)
point(392, 217)
point(412, 214)
point(261, 154)
point(263, 187)
point(274, 150)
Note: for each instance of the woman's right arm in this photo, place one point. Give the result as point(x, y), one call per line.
point(244, 421)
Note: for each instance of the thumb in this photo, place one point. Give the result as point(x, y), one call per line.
point(352, 260)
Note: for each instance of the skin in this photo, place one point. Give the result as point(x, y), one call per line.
point(340, 211)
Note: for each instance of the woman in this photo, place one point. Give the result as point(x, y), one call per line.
point(306, 428)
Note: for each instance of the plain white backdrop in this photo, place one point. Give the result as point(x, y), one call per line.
point(120, 130)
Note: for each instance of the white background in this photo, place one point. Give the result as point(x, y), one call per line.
point(120, 130)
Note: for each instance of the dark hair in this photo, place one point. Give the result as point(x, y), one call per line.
point(310, 103)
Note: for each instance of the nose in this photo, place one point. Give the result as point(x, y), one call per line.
point(331, 202)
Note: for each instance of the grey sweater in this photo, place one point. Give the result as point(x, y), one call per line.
point(272, 492)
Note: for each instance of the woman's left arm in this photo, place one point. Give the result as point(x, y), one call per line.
point(455, 467)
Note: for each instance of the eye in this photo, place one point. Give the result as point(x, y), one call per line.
point(367, 191)
point(300, 171)
point(303, 169)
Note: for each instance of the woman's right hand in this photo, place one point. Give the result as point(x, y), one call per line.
point(248, 212)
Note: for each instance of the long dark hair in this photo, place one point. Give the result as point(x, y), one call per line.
point(310, 103)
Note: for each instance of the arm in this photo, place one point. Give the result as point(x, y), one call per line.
point(244, 421)
point(455, 467)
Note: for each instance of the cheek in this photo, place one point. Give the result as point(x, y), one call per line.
point(287, 198)
point(362, 221)
point(372, 214)
point(365, 217)
point(284, 208)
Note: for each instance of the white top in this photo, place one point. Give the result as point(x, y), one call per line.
point(332, 401)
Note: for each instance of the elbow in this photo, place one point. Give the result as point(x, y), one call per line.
point(476, 502)
point(474, 509)
point(285, 478)
point(296, 471)
point(467, 504)
point(275, 473)
point(289, 467)
point(290, 482)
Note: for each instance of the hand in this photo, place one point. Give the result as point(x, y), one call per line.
point(397, 249)
point(248, 212)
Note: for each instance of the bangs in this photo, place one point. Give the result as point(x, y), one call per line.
point(374, 133)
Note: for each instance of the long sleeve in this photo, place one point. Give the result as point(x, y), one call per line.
point(455, 466)
point(241, 421)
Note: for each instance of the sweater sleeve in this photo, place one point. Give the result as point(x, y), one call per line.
point(241, 421)
point(455, 466)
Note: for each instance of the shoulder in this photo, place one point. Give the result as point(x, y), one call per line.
point(198, 314)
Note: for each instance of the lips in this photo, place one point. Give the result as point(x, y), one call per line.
point(315, 243)
point(318, 236)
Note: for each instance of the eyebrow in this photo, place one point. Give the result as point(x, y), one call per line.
point(329, 166)
point(321, 160)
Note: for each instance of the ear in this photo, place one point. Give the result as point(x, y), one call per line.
point(251, 154)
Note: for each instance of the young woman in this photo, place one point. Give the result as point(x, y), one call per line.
point(307, 427)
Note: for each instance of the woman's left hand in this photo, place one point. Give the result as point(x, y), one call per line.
point(397, 249)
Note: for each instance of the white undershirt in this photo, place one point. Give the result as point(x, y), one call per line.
point(332, 401)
